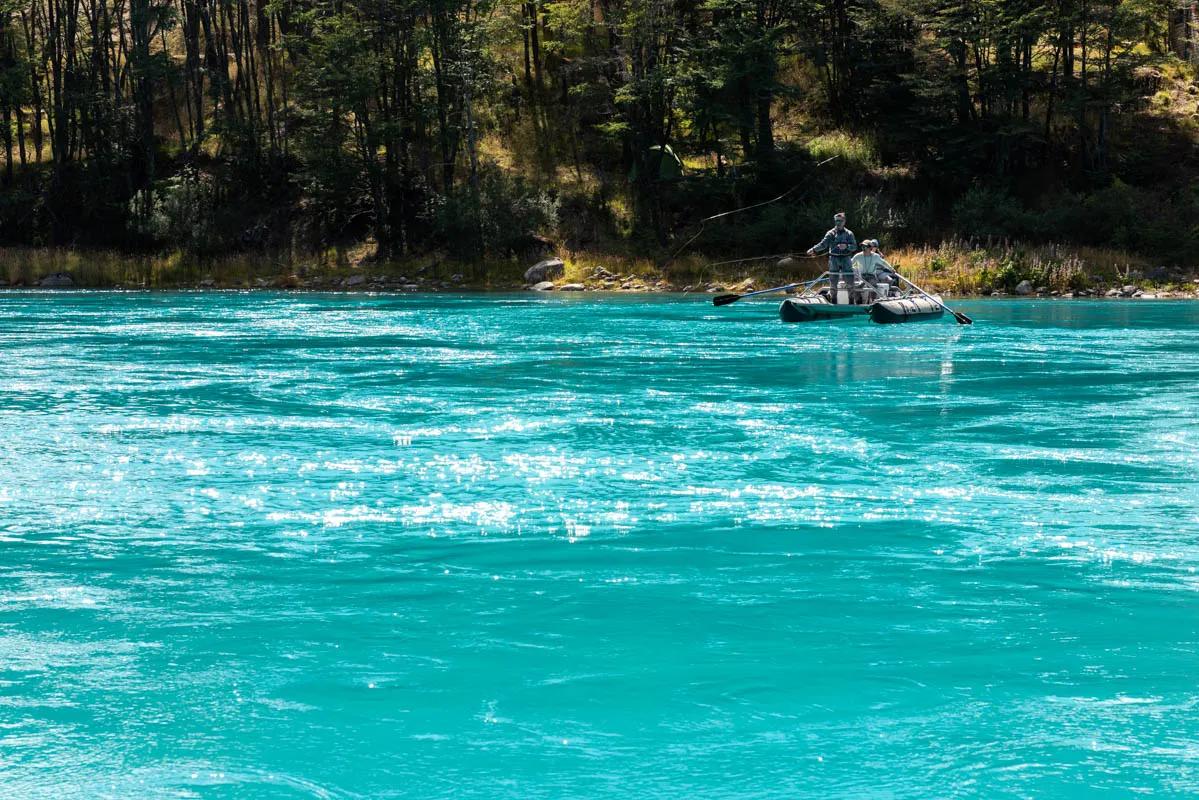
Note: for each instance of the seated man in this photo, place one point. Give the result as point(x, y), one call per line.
point(872, 269)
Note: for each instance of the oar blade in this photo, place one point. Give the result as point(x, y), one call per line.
point(725, 299)
point(962, 318)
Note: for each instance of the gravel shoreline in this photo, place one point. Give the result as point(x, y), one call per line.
point(600, 281)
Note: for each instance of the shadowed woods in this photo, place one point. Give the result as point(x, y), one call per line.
point(248, 141)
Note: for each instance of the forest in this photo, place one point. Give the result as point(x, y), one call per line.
point(486, 129)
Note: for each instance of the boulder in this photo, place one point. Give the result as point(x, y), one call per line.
point(207, 283)
point(996, 293)
point(571, 287)
point(1024, 288)
point(1112, 293)
point(546, 270)
point(457, 277)
point(543, 286)
point(1129, 290)
point(57, 280)
point(354, 280)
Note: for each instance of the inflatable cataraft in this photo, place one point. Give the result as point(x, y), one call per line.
point(884, 304)
point(826, 304)
point(881, 302)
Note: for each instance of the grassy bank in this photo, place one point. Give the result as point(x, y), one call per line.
point(966, 268)
point(955, 268)
point(102, 269)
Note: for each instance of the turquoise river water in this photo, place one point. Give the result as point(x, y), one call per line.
point(517, 546)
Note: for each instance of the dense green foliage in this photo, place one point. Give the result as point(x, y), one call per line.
point(469, 126)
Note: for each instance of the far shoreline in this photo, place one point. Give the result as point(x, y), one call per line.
point(953, 269)
point(376, 291)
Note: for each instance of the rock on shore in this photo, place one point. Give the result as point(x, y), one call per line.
point(546, 270)
point(57, 280)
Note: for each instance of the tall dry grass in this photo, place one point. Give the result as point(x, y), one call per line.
point(956, 267)
point(965, 267)
point(26, 266)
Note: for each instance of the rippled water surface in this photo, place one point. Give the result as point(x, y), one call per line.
point(284, 546)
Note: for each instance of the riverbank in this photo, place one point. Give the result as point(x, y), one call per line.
point(954, 269)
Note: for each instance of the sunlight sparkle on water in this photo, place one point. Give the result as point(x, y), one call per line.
point(343, 546)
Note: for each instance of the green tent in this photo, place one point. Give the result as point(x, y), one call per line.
point(669, 168)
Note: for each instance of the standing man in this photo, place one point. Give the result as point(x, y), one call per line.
point(840, 245)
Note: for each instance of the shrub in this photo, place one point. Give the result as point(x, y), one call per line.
point(986, 212)
point(853, 150)
point(178, 211)
point(495, 219)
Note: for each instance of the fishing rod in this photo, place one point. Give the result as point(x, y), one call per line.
point(703, 222)
point(726, 299)
point(781, 256)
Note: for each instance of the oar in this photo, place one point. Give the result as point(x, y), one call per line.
point(725, 299)
point(959, 316)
